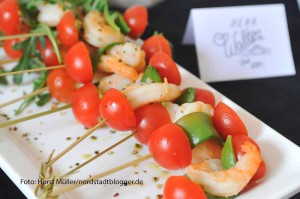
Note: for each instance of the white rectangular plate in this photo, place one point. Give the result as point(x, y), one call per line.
point(22, 151)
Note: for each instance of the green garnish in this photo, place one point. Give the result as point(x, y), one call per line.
point(38, 84)
point(43, 28)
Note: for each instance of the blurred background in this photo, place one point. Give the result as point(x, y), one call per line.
point(272, 100)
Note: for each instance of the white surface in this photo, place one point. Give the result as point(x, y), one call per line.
point(241, 42)
point(21, 158)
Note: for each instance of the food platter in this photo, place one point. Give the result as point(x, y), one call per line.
point(25, 146)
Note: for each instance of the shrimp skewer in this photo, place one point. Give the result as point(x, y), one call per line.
point(112, 65)
point(126, 60)
point(130, 54)
point(209, 149)
point(216, 181)
point(198, 106)
point(141, 94)
point(97, 32)
point(114, 81)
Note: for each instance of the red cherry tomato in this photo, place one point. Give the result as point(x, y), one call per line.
point(154, 44)
point(237, 142)
point(67, 32)
point(170, 147)
point(78, 63)
point(148, 119)
point(166, 67)
point(227, 122)
point(205, 96)
point(117, 110)
point(136, 17)
point(48, 54)
point(61, 86)
point(8, 46)
point(180, 187)
point(260, 173)
point(85, 105)
point(9, 17)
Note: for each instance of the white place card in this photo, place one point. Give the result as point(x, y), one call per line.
point(241, 42)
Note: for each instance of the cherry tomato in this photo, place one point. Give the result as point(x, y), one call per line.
point(136, 17)
point(227, 122)
point(166, 67)
point(67, 32)
point(117, 110)
point(9, 17)
point(170, 147)
point(205, 96)
point(154, 44)
point(261, 172)
point(180, 187)
point(148, 119)
point(8, 46)
point(61, 86)
point(85, 105)
point(78, 63)
point(48, 54)
point(237, 142)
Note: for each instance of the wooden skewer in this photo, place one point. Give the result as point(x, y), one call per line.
point(20, 36)
point(98, 155)
point(32, 70)
point(57, 192)
point(89, 132)
point(7, 61)
point(10, 123)
point(39, 91)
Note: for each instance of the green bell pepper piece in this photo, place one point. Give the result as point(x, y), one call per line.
point(198, 127)
point(151, 73)
point(228, 159)
point(187, 96)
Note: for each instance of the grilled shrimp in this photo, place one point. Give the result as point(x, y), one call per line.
point(216, 181)
point(97, 32)
point(50, 14)
point(172, 108)
point(114, 81)
point(125, 59)
point(111, 64)
point(140, 95)
point(129, 54)
point(198, 106)
point(209, 149)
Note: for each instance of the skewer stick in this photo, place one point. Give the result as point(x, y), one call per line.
point(10, 123)
point(101, 175)
point(98, 155)
point(20, 36)
point(39, 91)
point(32, 70)
point(89, 132)
point(7, 61)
